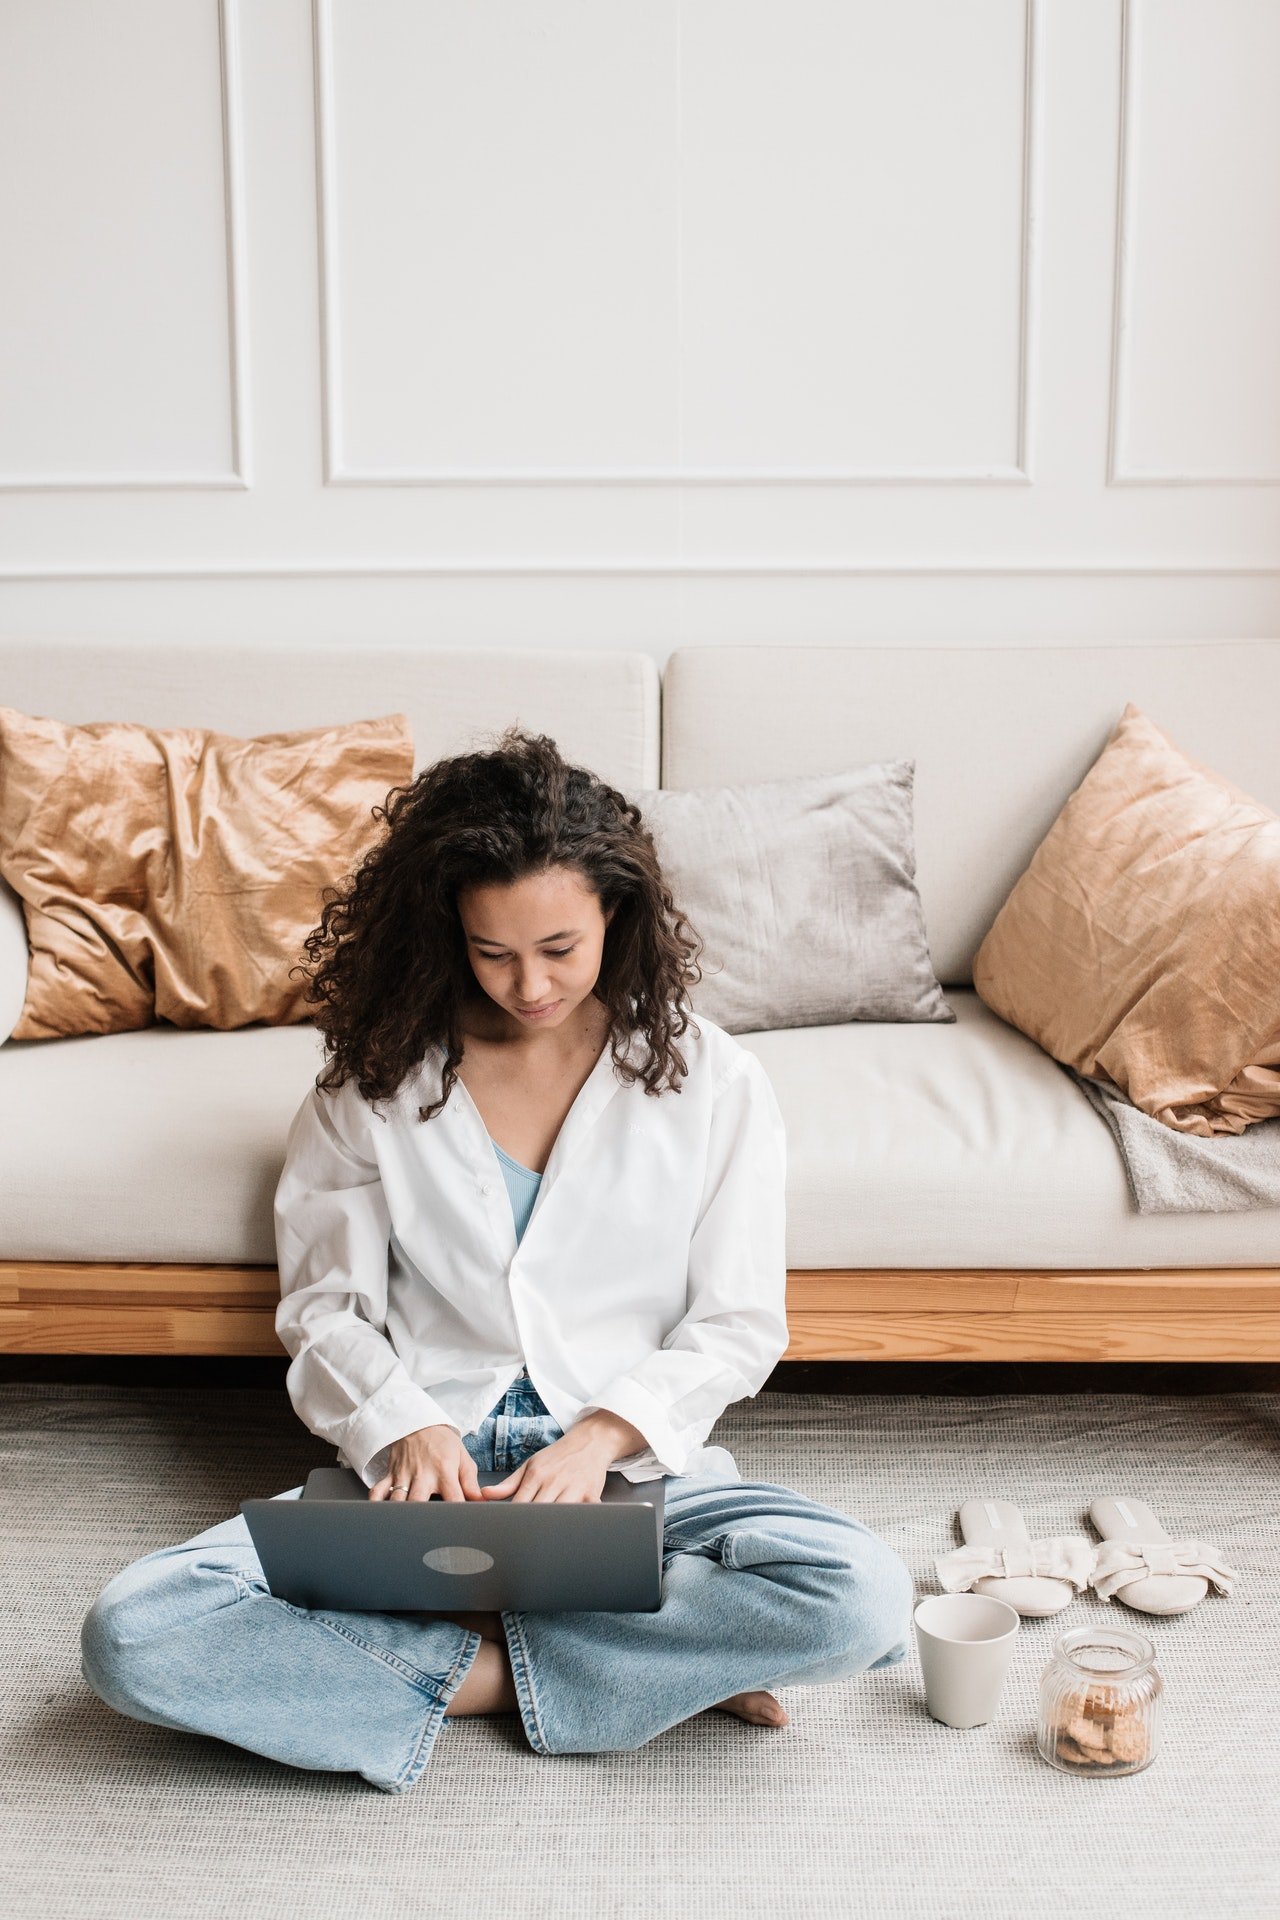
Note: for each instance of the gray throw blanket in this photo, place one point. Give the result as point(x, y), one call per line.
point(1172, 1172)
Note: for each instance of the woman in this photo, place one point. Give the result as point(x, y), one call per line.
point(517, 1229)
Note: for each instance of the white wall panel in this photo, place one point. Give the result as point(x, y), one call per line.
point(499, 200)
point(120, 364)
point(639, 323)
point(853, 243)
point(1197, 380)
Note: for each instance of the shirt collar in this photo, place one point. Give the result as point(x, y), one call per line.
point(594, 1095)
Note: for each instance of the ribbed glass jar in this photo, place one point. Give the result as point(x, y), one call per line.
point(1100, 1703)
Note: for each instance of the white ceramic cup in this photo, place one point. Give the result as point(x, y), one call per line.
point(966, 1644)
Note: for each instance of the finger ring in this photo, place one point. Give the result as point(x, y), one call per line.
point(401, 1486)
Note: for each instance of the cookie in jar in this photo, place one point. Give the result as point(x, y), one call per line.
point(1100, 1703)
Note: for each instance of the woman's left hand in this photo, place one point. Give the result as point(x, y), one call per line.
point(572, 1467)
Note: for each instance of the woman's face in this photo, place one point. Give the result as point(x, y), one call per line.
point(535, 944)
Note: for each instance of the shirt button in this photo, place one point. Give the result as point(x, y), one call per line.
point(486, 1190)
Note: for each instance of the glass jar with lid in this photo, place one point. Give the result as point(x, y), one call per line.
point(1100, 1703)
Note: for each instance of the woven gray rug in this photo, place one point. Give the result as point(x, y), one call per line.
point(863, 1805)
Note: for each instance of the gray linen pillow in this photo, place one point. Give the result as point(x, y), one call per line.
point(804, 894)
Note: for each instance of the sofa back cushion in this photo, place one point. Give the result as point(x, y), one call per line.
point(601, 707)
point(1000, 737)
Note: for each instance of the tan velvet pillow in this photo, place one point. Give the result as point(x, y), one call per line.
point(175, 874)
point(1143, 941)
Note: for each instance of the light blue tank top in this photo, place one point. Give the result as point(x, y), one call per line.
point(522, 1185)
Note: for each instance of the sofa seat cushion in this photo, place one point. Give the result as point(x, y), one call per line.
point(966, 1146)
point(908, 1146)
point(164, 1144)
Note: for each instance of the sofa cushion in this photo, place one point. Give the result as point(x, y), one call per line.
point(161, 1144)
point(803, 892)
point(966, 1146)
point(1000, 736)
point(908, 1146)
point(600, 705)
point(14, 958)
point(174, 873)
point(1143, 941)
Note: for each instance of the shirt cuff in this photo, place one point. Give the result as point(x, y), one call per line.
point(397, 1409)
point(630, 1401)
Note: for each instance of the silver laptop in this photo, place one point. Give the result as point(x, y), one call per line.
point(336, 1548)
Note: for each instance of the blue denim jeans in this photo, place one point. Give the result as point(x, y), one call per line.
point(761, 1587)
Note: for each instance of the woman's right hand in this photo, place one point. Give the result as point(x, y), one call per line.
point(432, 1460)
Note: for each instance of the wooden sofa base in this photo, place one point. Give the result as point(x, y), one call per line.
point(1168, 1314)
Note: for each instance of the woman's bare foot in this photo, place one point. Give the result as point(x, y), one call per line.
point(489, 1688)
point(761, 1708)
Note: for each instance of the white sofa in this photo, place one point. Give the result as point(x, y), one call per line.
point(951, 1192)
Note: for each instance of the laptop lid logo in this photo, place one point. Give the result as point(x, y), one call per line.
point(458, 1560)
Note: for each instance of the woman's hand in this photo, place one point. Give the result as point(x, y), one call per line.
point(432, 1460)
point(572, 1468)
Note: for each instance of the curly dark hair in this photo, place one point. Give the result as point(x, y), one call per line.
point(387, 967)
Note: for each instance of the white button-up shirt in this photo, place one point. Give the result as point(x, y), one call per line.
point(650, 1280)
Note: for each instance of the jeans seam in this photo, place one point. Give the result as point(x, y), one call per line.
point(416, 1763)
point(416, 1676)
point(522, 1675)
point(712, 1549)
point(438, 1691)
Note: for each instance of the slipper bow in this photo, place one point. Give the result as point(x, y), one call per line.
point(1121, 1562)
point(1064, 1557)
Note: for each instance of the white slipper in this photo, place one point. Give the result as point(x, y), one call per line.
point(999, 1558)
point(1142, 1565)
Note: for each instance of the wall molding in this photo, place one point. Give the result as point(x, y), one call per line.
point(1119, 472)
point(521, 568)
point(338, 472)
point(237, 477)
